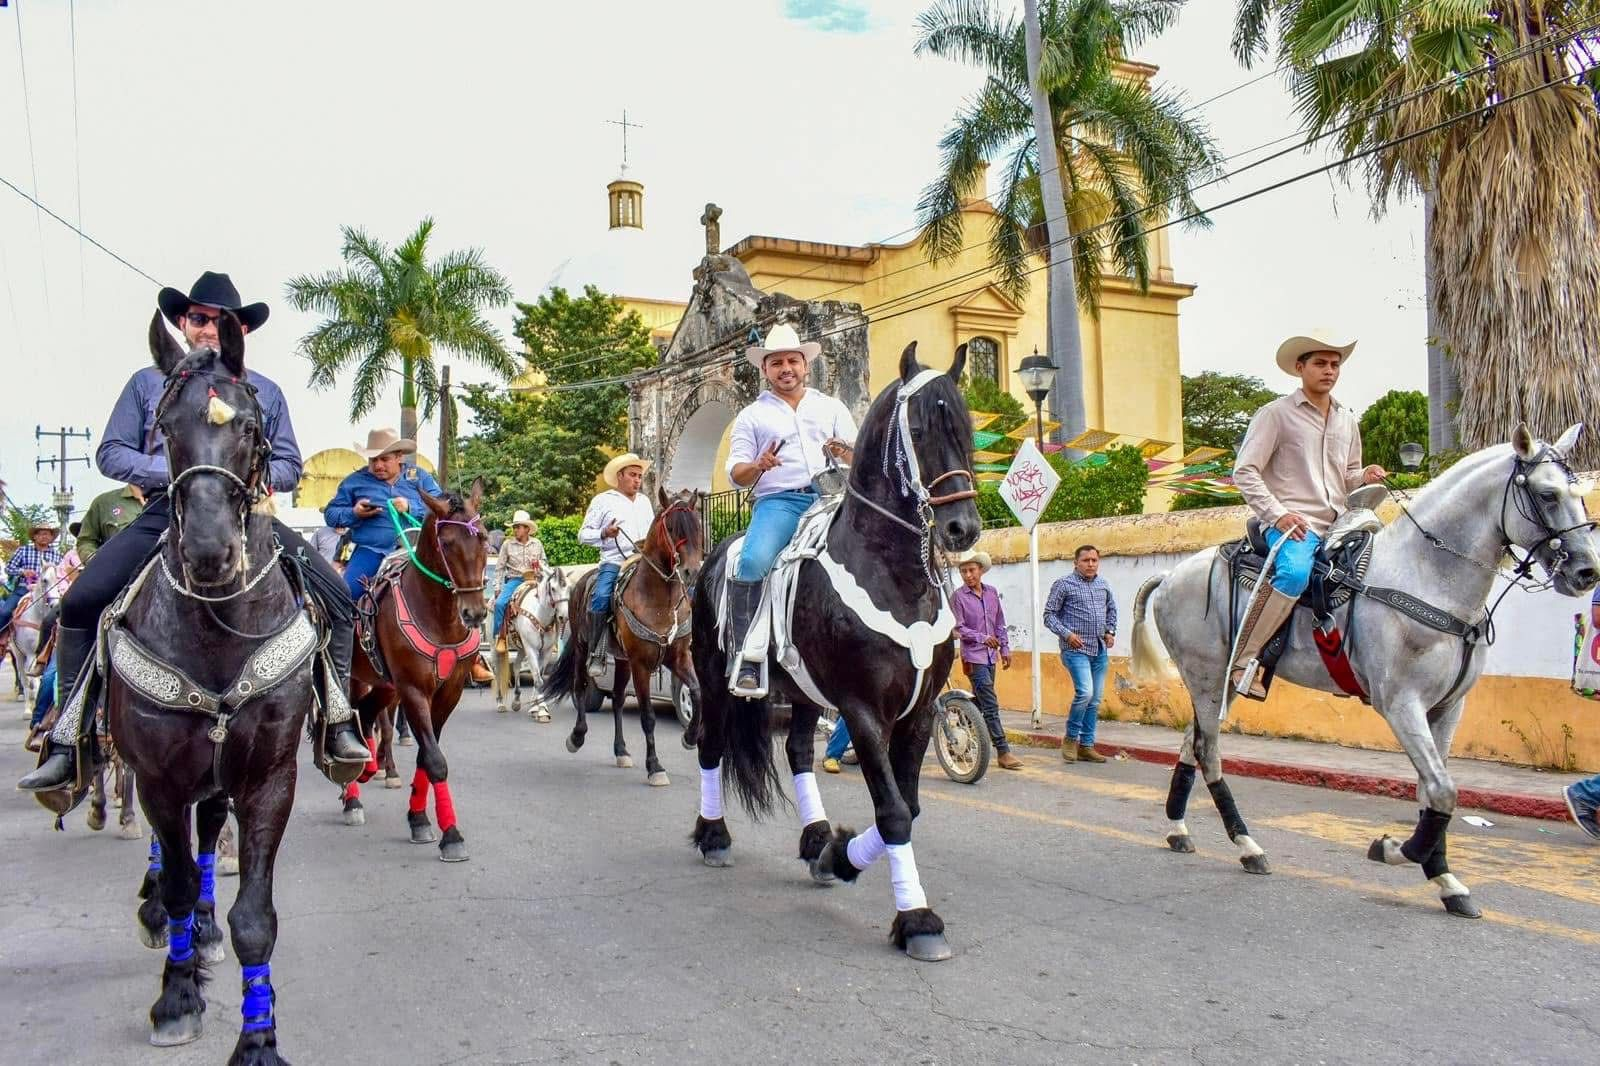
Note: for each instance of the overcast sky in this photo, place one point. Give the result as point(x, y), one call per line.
point(239, 137)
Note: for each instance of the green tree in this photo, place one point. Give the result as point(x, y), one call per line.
point(21, 517)
point(390, 311)
point(1217, 408)
point(1393, 419)
point(1512, 265)
point(984, 395)
point(1114, 486)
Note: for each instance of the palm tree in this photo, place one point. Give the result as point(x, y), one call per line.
point(1128, 154)
point(390, 310)
point(1512, 230)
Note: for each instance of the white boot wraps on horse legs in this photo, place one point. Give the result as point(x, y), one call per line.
point(809, 798)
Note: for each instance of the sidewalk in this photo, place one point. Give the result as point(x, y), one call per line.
point(1490, 786)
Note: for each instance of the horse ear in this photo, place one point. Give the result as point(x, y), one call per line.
point(231, 337)
point(475, 495)
point(1522, 441)
point(908, 362)
point(163, 348)
point(661, 496)
point(1568, 440)
point(440, 508)
point(958, 367)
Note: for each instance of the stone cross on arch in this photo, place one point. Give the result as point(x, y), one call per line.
point(713, 229)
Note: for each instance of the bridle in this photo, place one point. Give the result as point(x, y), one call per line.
point(900, 466)
point(471, 525)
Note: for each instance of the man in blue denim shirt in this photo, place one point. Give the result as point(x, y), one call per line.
point(1583, 797)
point(1083, 614)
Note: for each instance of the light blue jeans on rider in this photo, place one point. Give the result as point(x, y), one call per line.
point(503, 601)
point(1291, 570)
point(1088, 673)
point(772, 526)
point(838, 740)
point(605, 583)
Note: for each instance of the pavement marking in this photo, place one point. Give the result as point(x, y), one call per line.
point(1422, 892)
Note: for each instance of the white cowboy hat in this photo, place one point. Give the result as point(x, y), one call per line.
point(981, 558)
point(52, 523)
point(384, 441)
point(1302, 344)
point(782, 338)
point(621, 463)
point(523, 518)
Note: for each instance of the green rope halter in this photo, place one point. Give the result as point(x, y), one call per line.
point(403, 532)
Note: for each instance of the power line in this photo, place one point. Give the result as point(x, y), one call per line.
point(33, 163)
point(35, 202)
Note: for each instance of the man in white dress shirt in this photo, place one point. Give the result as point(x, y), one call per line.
point(778, 444)
point(617, 520)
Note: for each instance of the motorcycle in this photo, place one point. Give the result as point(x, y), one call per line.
point(960, 736)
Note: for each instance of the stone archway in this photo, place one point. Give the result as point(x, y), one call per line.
point(698, 429)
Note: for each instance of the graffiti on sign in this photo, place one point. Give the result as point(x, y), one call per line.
point(1029, 484)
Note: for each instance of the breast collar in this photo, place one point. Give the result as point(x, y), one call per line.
point(444, 656)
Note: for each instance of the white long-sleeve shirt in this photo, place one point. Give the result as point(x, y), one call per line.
point(634, 516)
point(802, 429)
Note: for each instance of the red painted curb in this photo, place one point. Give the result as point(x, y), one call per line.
point(1517, 804)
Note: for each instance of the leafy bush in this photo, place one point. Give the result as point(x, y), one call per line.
point(984, 395)
point(1115, 487)
point(1393, 419)
point(1198, 501)
point(560, 537)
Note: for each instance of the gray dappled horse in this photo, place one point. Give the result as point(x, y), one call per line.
point(535, 630)
point(1509, 499)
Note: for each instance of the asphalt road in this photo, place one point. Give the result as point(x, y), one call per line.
point(585, 929)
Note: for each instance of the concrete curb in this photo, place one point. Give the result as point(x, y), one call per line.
point(1517, 804)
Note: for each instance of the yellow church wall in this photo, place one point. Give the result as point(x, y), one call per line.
point(322, 472)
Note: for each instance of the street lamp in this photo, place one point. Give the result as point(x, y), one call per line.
point(1411, 455)
point(1037, 372)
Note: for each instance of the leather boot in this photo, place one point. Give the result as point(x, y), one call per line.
point(1266, 617)
point(743, 599)
point(59, 769)
point(344, 743)
point(598, 622)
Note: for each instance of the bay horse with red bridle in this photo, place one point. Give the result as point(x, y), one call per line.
point(419, 637)
point(651, 618)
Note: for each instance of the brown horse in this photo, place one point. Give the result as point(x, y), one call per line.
point(424, 628)
point(650, 616)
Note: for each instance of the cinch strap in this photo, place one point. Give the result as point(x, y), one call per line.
point(256, 1007)
point(1337, 659)
point(207, 861)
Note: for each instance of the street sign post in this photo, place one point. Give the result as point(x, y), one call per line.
point(1027, 489)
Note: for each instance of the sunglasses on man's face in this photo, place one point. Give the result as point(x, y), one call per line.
point(200, 320)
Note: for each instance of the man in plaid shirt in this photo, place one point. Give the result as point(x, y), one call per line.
point(1083, 614)
point(27, 563)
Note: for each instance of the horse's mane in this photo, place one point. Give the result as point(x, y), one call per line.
point(683, 522)
point(456, 502)
point(873, 437)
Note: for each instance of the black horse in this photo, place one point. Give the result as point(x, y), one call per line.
point(882, 548)
point(207, 700)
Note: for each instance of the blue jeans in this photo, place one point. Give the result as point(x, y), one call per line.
point(8, 604)
point(605, 582)
point(983, 695)
point(47, 694)
point(364, 562)
point(1291, 570)
point(503, 601)
point(839, 740)
point(1588, 790)
point(772, 526)
point(1088, 673)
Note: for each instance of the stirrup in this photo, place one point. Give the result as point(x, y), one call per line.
point(1247, 683)
point(754, 691)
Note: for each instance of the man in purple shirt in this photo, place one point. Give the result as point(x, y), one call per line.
point(132, 451)
point(981, 623)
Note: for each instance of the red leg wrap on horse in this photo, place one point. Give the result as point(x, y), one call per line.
point(444, 806)
point(419, 792)
point(352, 791)
point(372, 762)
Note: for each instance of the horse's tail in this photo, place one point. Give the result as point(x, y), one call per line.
point(564, 680)
point(748, 768)
point(1148, 661)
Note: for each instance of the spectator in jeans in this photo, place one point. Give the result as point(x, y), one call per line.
point(1583, 797)
point(1081, 612)
point(981, 622)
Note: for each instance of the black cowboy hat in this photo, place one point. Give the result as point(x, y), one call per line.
point(212, 290)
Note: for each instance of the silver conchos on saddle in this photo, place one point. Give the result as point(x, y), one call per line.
point(273, 663)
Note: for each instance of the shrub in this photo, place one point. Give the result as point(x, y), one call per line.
point(1114, 487)
point(560, 538)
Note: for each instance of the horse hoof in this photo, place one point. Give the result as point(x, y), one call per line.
point(355, 816)
point(1461, 906)
point(453, 851)
point(501, 709)
point(181, 1030)
point(1386, 849)
point(154, 939)
point(625, 762)
point(1181, 842)
point(227, 866)
point(97, 818)
point(541, 715)
point(822, 867)
point(213, 952)
point(1253, 864)
point(130, 831)
point(928, 947)
point(423, 834)
point(687, 741)
point(659, 779)
point(393, 782)
point(718, 857)
point(405, 741)
point(571, 746)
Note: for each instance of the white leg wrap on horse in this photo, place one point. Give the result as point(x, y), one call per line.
point(903, 876)
point(809, 798)
point(711, 794)
point(865, 849)
point(1247, 847)
point(1449, 886)
point(1179, 828)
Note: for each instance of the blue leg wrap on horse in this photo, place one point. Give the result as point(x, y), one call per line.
point(256, 1008)
point(155, 857)
point(180, 938)
point(1222, 796)
point(207, 861)
point(1431, 825)
point(1178, 793)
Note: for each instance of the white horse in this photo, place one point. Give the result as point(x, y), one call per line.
point(23, 649)
point(537, 626)
point(1441, 562)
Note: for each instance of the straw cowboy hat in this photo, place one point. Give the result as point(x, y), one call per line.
point(50, 522)
point(782, 338)
point(384, 441)
point(523, 518)
point(1303, 344)
point(981, 558)
point(212, 290)
point(621, 463)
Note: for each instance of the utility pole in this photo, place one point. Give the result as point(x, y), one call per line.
point(447, 427)
point(61, 499)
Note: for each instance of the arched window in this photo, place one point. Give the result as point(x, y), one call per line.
point(983, 359)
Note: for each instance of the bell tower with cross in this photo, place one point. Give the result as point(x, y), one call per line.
point(625, 194)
